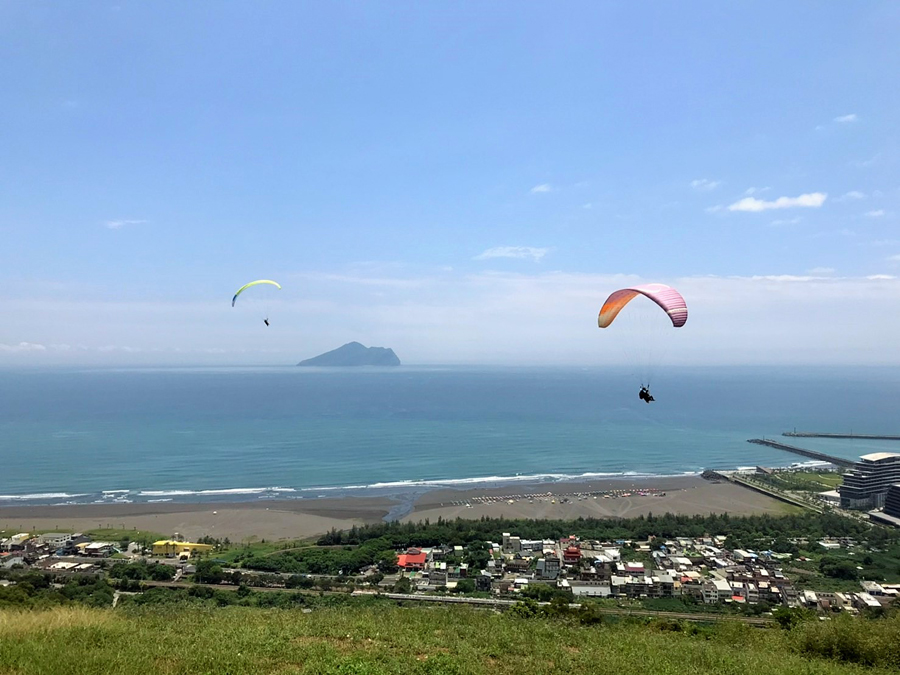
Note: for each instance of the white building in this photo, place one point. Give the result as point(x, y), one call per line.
point(55, 539)
point(716, 590)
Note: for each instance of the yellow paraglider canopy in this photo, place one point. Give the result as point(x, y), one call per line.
point(253, 283)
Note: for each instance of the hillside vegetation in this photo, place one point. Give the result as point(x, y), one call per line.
point(388, 639)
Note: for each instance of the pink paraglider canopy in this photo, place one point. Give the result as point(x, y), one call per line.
point(666, 297)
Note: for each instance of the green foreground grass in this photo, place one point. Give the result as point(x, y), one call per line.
point(386, 639)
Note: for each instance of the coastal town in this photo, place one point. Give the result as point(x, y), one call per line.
point(831, 572)
point(700, 571)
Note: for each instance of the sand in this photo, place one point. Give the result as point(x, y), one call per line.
point(299, 519)
point(683, 495)
point(239, 521)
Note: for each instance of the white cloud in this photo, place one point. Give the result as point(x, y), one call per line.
point(865, 163)
point(755, 190)
point(881, 277)
point(821, 271)
point(543, 187)
point(878, 213)
point(844, 119)
point(116, 224)
point(363, 280)
point(852, 195)
point(488, 317)
point(705, 184)
point(786, 221)
point(895, 258)
point(751, 204)
point(587, 206)
point(23, 347)
point(521, 252)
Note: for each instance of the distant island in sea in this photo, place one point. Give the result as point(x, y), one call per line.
point(354, 354)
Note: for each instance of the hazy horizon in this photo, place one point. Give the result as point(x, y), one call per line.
point(465, 184)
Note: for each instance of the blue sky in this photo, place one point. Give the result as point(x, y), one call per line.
point(465, 183)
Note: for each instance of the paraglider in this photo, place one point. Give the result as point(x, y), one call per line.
point(646, 321)
point(255, 283)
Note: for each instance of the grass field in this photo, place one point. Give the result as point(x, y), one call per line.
point(380, 640)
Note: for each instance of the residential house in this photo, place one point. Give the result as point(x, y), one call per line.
point(548, 567)
point(412, 560)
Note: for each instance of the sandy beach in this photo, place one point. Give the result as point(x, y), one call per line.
point(297, 519)
point(239, 521)
point(688, 495)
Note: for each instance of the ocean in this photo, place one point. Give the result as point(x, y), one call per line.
point(203, 434)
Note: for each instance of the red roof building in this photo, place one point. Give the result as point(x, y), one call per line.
point(413, 559)
point(572, 555)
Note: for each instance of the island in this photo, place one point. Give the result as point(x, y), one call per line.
point(354, 354)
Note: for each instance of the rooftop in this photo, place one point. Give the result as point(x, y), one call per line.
point(879, 456)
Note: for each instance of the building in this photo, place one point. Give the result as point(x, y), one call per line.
point(716, 590)
point(98, 549)
point(892, 501)
point(55, 539)
point(866, 485)
point(590, 589)
point(169, 548)
point(10, 560)
point(572, 555)
point(548, 568)
point(517, 566)
point(413, 559)
point(832, 497)
point(16, 542)
point(866, 601)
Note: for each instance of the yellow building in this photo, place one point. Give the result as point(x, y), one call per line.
point(168, 547)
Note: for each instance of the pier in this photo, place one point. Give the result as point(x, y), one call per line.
point(816, 434)
point(812, 454)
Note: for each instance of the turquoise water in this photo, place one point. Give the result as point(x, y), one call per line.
point(193, 434)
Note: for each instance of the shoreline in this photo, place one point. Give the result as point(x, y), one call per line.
point(273, 519)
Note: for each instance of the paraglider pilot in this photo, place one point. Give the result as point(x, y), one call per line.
point(644, 395)
point(266, 321)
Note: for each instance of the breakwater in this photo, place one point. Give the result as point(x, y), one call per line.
point(816, 434)
point(812, 454)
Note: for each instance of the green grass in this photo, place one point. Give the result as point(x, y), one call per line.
point(117, 534)
point(804, 481)
point(386, 639)
point(237, 552)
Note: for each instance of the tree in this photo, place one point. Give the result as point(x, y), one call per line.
point(386, 561)
point(403, 585)
point(589, 614)
point(838, 568)
point(162, 572)
point(525, 609)
point(558, 607)
point(464, 586)
point(208, 572)
point(789, 617)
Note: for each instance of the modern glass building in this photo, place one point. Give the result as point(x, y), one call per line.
point(892, 501)
point(866, 485)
